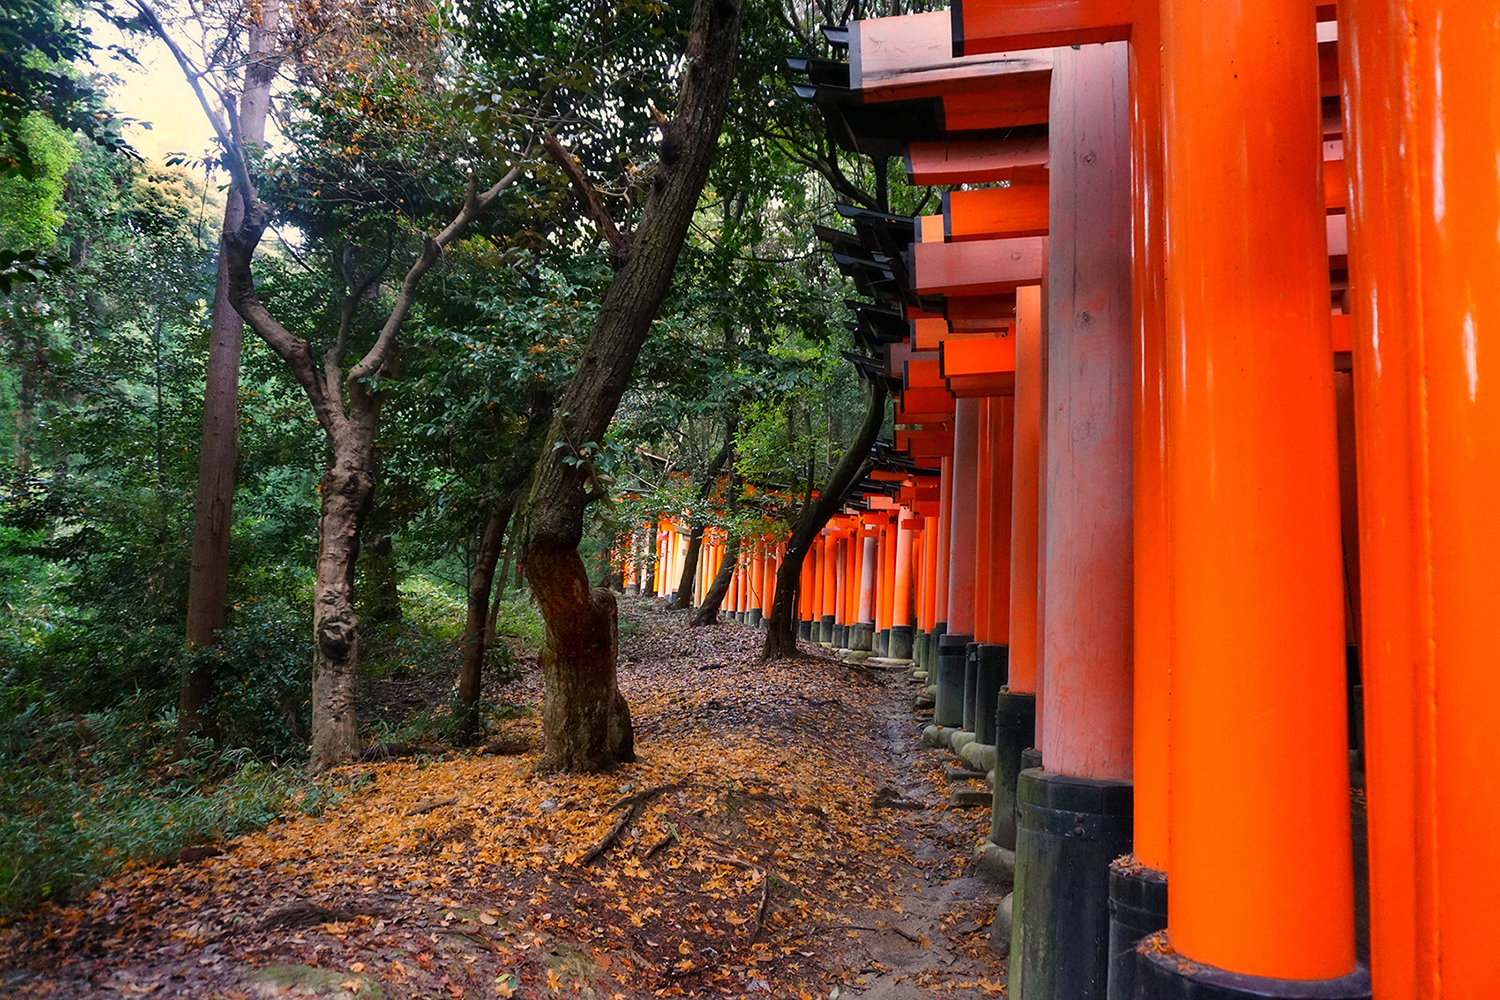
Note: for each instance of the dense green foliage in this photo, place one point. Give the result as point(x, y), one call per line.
point(104, 347)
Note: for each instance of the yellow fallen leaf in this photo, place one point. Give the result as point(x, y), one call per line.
point(554, 981)
point(486, 918)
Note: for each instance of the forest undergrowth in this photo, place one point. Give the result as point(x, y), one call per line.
point(748, 852)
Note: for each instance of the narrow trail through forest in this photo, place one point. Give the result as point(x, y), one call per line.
point(785, 833)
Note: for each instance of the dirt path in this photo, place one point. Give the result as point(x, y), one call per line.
point(755, 850)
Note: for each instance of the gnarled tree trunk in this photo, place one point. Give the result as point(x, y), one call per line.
point(481, 581)
point(586, 721)
point(708, 611)
point(781, 630)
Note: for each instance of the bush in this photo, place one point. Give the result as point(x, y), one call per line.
point(82, 795)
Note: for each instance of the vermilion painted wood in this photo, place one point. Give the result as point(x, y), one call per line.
point(929, 230)
point(901, 601)
point(945, 534)
point(1335, 177)
point(932, 447)
point(927, 401)
point(1087, 638)
point(981, 313)
point(983, 161)
point(1343, 394)
point(960, 615)
point(899, 354)
point(1153, 583)
point(982, 385)
point(1025, 534)
point(911, 55)
point(983, 457)
point(886, 554)
point(929, 563)
point(981, 26)
point(830, 568)
point(982, 267)
point(986, 356)
point(923, 373)
point(1257, 688)
point(1426, 310)
point(1001, 469)
point(807, 597)
point(867, 558)
point(997, 212)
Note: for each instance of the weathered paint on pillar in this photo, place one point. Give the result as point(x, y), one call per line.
point(983, 460)
point(1025, 498)
point(868, 563)
point(901, 585)
point(998, 514)
point(929, 573)
point(1087, 642)
point(1259, 764)
point(944, 540)
point(960, 615)
point(1421, 88)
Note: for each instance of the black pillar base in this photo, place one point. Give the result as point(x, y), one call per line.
point(1137, 907)
point(804, 630)
point(882, 642)
point(994, 663)
point(899, 645)
point(1070, 830)
point(862, 636)
point(971, 686)
point(634, 590)
point(949, 707)
point(841, 636)
point(753, 617)
point(936, 637)
point(825, 629)
point(671, 596)
point(1162, 974)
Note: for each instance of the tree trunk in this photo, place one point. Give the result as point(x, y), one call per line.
point(471, 672)
point(695, 539)
point(208, 575)
point(708, 611)
point(586, 721)
point(346, 489)
point(781, 630)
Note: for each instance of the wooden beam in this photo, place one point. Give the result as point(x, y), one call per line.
point(982, 267)
point(1019, 209)
point(981, 26)
point(979, 162)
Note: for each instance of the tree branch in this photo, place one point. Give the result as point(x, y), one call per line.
point(432, 247)
point(618, 242)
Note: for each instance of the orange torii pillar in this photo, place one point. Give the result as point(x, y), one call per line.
point(757, 583)
point(732, 595)
point(864, 626)
point(983, 460)
point(829, 565)
point(1420, 83)
point(841, 592)
point(1015, 711)
point(1258, 731)
point(1076, 809)
point(993, 615)
point(854, 552)
point(902, 633)
point(807, 594)
point(1138, 885)
point(882, 639)
point(948, 710)
point(772, 561)
point(926, 640)
point(940, 597)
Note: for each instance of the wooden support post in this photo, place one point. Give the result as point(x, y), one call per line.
point(902, 633)
point(1258, 750)
point(953, 647)
point(1420, 80)
point(1025, 497)
point(830, 567)
point(807, 594)
point(1061, 920)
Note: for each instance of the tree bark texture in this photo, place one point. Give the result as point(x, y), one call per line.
point(586, 721)
point(781, 630)
point(213, 508)
point(481, 582)
point(695, 539)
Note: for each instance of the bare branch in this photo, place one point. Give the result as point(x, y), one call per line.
point(619, 246)
point(432, 247)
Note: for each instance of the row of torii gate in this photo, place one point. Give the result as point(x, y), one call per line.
point(1196, 428)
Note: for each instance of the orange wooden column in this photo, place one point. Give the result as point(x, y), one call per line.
point(998, 514)
point(953, 646)
point(1152, 524)
point(1025, 498)
point(841, 588)
point(944, 544)
point(830, 567)
point(773, 562)
point(902, 633)
point(1420, 99)
point(930, 590)
point(868, 564)
point(1258, 751)
point(983, 461)
point(885, 555)
point(1061, 917)
point(807, 593)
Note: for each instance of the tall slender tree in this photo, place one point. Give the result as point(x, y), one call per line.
point(585, 720)
point(208, 578)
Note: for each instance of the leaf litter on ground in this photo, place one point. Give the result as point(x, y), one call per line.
point(717, 864)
